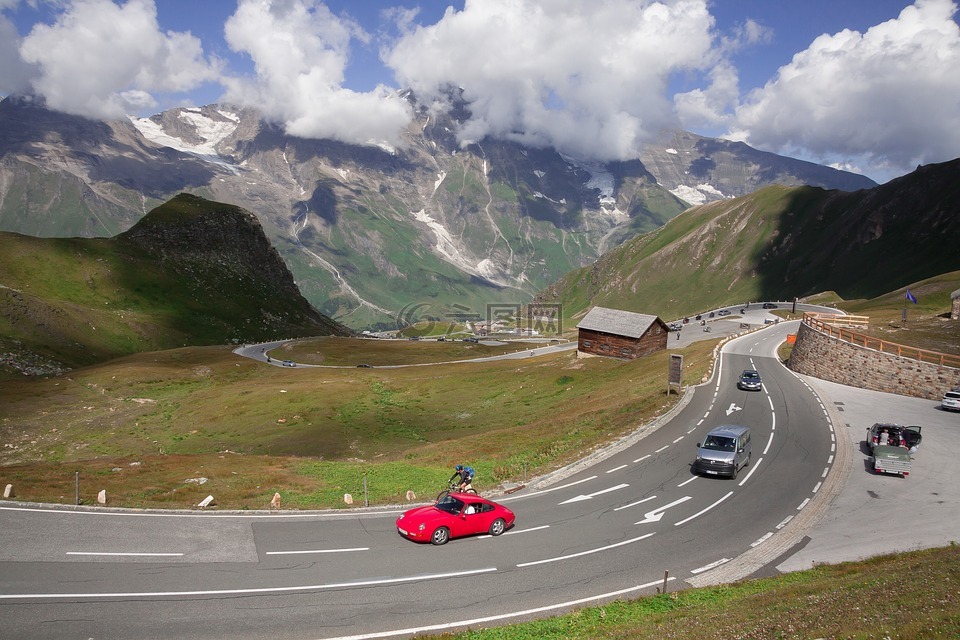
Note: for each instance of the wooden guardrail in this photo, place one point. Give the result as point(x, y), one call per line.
point(830, 324)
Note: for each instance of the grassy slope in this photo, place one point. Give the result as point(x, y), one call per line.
point(778, 243)
point(176, 411)
point(79, 301)
point(906, 596)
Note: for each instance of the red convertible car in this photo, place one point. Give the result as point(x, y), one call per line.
point(454, 515)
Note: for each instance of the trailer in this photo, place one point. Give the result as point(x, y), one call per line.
point(890, 459)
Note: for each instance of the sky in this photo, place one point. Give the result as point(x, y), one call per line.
point(870, 86)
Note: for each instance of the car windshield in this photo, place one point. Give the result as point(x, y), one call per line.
point(750, 375)
point(951, 394)
point(450, 504)
point(719, 443)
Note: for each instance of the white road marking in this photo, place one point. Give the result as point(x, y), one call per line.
point(655, 515)
point(514, 532)
point(766, 449)
point(711, 565)
point(762, 539)
point(291, 553)
point(678, 440)
point(584, 553)
point(753, 467)
point(686, 482)
point(588, 496)
point(803, 504)
point(817, 487)
point(662, 449)
point(641, 459)
point(633, 504)
point(503, 616)
point(784, 522)
point(537, 493)
point(228, 592)
point(617, 468)
point(171, 514)
point(733, 407)
point(700, 513)
point(117, 553)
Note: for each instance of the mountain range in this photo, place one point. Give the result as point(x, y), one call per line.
point(368, 231)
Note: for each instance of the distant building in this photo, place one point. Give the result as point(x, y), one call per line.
point(621, 334)
point(955, 309)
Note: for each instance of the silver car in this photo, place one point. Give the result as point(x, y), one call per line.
point(749, 381)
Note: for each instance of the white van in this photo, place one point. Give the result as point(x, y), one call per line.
point(724, 451)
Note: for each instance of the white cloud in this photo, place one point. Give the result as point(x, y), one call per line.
point(710, 107)
point(15, 73)
point(103, 60)
point(887, 98)
point(587, 78)
point(300, 50)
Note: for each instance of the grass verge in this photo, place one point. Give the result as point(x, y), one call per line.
point(908, 596)
point(166, 429)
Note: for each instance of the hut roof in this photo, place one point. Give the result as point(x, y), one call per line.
point(616, 321)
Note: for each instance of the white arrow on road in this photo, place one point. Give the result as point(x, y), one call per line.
point(657, 514)
point(597, 493)
point(733, 407)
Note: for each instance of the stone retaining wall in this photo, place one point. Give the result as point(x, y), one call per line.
point(822, 356)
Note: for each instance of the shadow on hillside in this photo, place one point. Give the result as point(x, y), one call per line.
point(860, 244)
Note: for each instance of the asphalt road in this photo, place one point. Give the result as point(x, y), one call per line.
point(608, 527)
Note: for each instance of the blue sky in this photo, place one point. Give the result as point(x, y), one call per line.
point(866, 85)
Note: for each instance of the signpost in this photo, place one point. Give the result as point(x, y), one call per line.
point(676, 372)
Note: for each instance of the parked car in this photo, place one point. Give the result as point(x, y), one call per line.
point(951, 400)
point(473, 340)
point(364, 366)
point(723, 312)
point(454, 515)
point(749, 381)
point(289, 363)
point(769, 305)
point(894, 435)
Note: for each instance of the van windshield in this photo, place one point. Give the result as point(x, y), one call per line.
point(720, 443)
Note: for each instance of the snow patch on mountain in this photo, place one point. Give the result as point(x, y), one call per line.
point(698, 194)
point(210, 131)
point(600, 179)
point(449, 251)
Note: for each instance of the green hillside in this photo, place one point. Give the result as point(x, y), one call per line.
point(192, 272)
point(779, 243)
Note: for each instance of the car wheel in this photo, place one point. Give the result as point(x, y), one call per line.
point(440, 536)
point(497, 527)
point(733, 476)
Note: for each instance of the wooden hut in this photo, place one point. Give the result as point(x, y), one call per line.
point(620, 334)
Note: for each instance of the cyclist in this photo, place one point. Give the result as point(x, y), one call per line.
point(466, 477)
